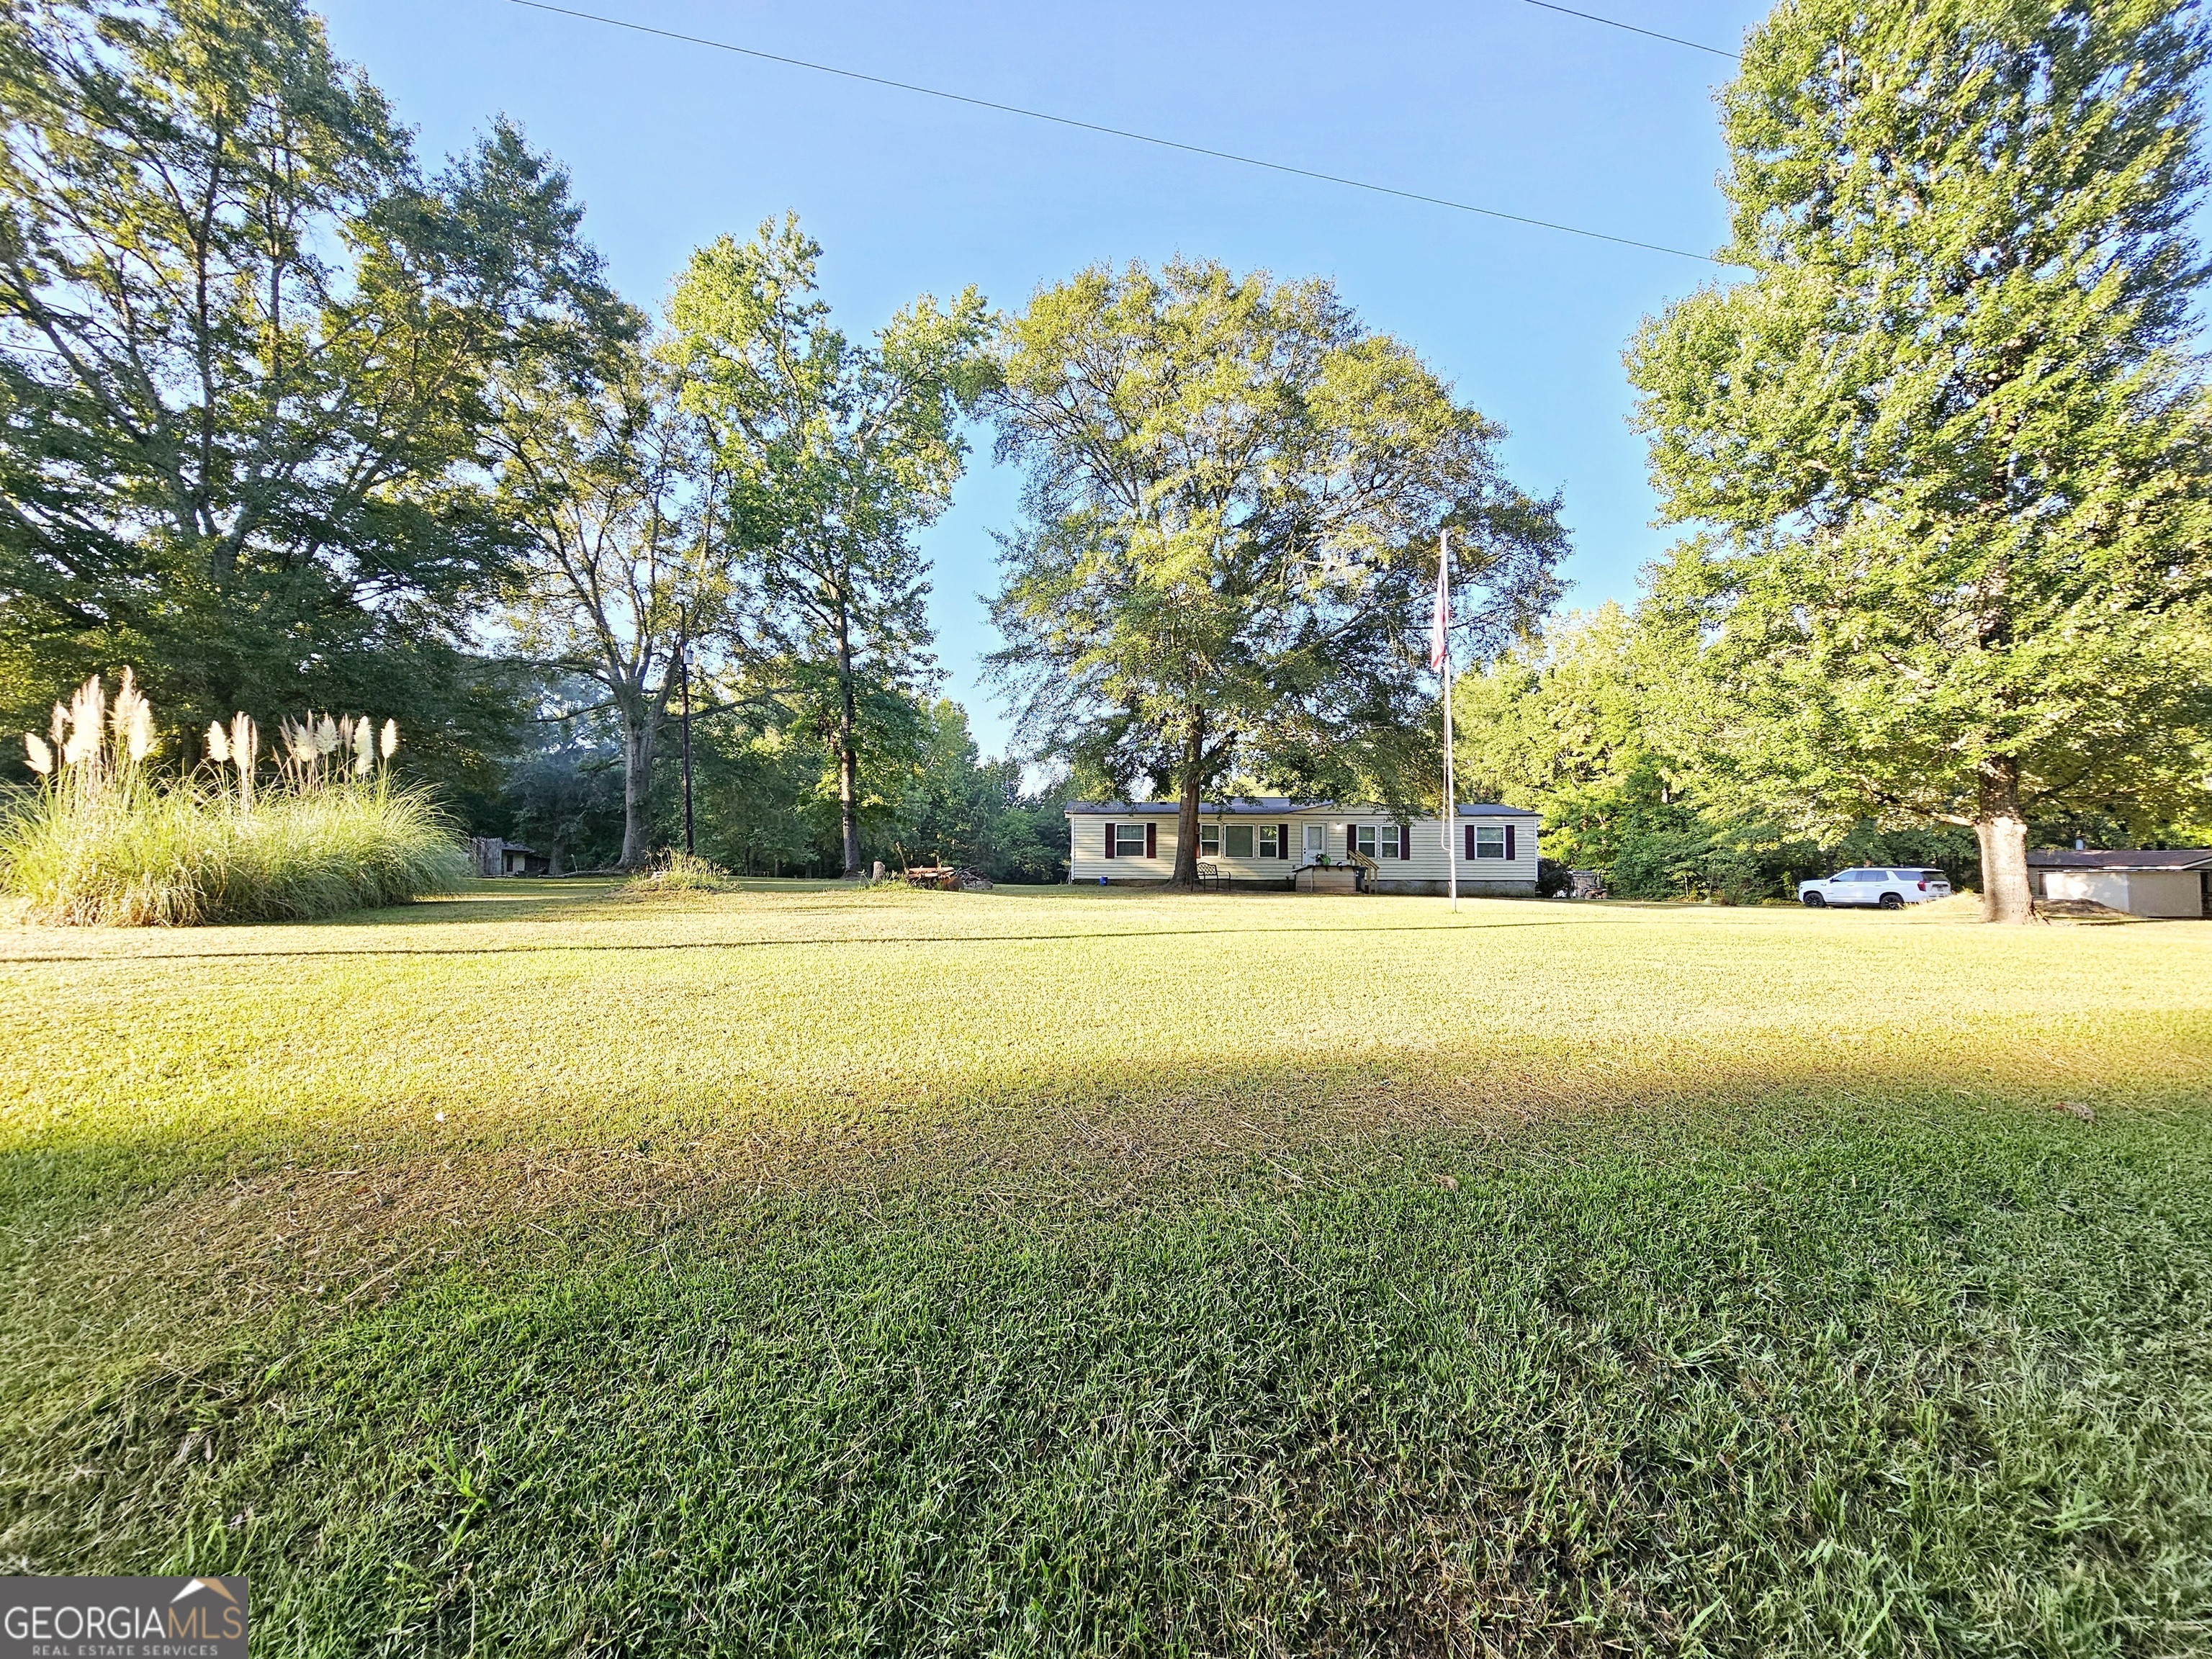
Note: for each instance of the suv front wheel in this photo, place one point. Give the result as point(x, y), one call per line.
point(1814, 902)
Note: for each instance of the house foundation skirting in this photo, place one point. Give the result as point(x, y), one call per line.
point(1402, 888)
point(1226, 883)
point(1467, 889)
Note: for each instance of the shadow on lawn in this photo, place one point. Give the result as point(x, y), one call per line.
point(556, 946)
point(1763, 1380)
point(345, 1212)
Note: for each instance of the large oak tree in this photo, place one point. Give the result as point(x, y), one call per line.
point(243, 342)
point(1229, 544)
point(1945, 449)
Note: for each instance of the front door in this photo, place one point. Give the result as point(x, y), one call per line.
point(1316, 841)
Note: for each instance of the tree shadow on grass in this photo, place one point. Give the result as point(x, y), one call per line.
point(334, 1212)
point(1817, 1351)
point(555, 946)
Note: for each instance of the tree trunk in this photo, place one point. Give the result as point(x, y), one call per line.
point(556, 858)
point(637, 739)
point(848, 760)
point(2002, 830)
point(1185, 879)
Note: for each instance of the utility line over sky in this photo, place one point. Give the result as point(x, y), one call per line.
point(1648, 34)
point(1146, 138)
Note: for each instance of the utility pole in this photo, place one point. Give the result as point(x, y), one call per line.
point(684, 658)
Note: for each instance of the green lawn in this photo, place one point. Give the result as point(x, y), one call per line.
point(807, 1271)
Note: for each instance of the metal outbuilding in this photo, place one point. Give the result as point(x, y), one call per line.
point(2170, 882)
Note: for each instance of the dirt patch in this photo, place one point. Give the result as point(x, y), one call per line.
point(2082, 912)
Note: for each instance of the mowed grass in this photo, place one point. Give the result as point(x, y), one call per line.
point(810, 1271)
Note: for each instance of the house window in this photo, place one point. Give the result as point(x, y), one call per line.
point(1240, 841)
point(1209, 840)
point(1489, 840)
point(1129, 841)
point(1394, 842)
point(1270, 846)
point(1362, 839)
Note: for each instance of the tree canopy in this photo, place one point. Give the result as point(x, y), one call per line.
point(1229, 536)
point(836, 454)
point(626, 563)
point(1945, 450)
point(243, 340)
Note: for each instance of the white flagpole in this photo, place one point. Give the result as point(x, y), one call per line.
point(1451, 794)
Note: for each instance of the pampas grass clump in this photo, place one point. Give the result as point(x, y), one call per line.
point(103, 841)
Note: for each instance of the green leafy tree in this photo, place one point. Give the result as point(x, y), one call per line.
point(1558, 723)
point(1946, 445)
point(565, 801)
point(951, 808)
point(1230, 537)
point(965, 809)
point(837, 452)
point(761, 809)
point(243, 342)
point(1561, 723)
point(628, 562)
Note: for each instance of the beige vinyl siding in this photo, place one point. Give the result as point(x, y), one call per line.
point(1087, 858)
point(1255, 868)
point(1428, 863)
point(1086, 851)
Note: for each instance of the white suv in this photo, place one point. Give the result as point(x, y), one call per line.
point(1890, 890)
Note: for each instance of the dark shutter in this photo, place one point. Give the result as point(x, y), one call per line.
point(1151, 838)
point(1282, 841)
point(1109, 840)
point(1351, 839)
point(1509, 843)
point(1470, 843)
point(1405, 840)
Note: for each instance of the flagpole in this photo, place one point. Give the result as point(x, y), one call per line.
point(1451, 794)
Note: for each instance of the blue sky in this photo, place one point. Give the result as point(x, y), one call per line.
point(1497, 102)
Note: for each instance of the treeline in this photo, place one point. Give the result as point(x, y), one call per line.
point(1568, 724)
point(295, 420)
point(764, 803)
point(1586, 723)
point(1938, 456)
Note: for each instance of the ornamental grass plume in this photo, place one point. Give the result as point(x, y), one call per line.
point(100, 840)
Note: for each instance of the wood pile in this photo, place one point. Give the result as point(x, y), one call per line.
point(948, 878)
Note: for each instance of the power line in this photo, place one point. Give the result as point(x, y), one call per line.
point(1649, 34)
point(1115, 133)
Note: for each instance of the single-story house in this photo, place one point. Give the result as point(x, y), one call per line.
point(2145, 884)
point(1266, 840)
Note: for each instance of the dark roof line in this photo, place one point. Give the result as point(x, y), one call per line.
point(2069, 858)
